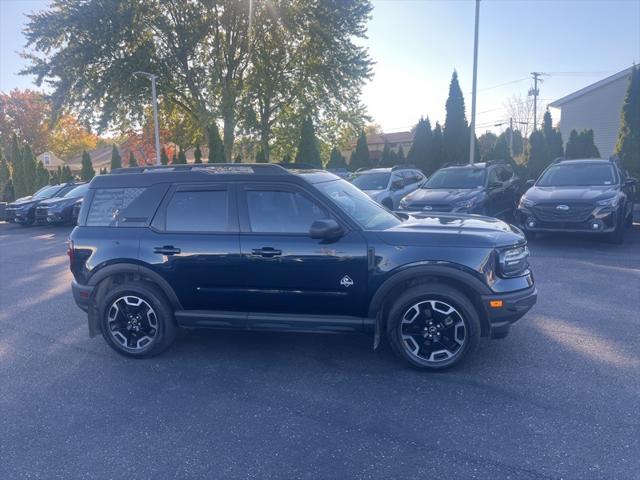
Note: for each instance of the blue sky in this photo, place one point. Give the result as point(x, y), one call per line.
point(417, 44)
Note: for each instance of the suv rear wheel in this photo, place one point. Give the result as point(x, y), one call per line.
point(137, 321)
point(433, 327)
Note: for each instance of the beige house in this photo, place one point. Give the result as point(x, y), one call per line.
point(376, 143)
point(597, 107)
point(50, 161)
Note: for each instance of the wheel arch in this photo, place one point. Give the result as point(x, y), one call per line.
point(466, 283)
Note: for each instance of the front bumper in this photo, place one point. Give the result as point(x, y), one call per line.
point(513, 307)
point(81, 295)
point(602, 220)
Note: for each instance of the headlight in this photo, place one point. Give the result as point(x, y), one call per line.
point(404, 203)
point(466, 204)
point(526, 203)
point(514, 262)
point(608, 202)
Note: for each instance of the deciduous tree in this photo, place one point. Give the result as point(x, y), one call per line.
point(68, 138)
point(25, 114)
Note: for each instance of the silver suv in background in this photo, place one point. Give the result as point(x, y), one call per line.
point(388, 186)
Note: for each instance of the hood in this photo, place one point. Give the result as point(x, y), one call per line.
point(441, 195)
point(57, 201)
point(23, 202)
point(373, 193)
point(455, 230)
point(569, 194)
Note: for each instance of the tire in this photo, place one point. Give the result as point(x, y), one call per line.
point(628, 222)
point(152, 319)
point(433, 305)
point(617, 236)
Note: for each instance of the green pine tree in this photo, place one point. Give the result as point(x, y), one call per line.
point(132, 160)
point(87, 172)
point(238, 159)
point(116, 160)
point(164, 158)
point(260, 156)
point(5, 172)
point(197, 154)
point(182, 157)
point(400, 156)
point(456, 128)
point(18, 175)
point(174, 157)
point(336, 160)
point(308, 149)
point(581, 145)
point(536, 155)
point(56, 176)
point(388, 158)
point(437, 147)
point(29, 168)
point(628, 144)
point(67, 175)
point(42, 176)
point(360, 157)
point(216, 147)
point(419, 154)
point(552, 137)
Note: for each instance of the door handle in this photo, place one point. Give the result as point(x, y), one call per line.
point(166, 250)
point(266, 252)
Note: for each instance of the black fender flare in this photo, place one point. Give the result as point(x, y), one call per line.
point(141, 270)
point(452, 272)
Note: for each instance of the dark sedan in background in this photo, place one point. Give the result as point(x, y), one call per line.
point(590, 196)
point(490, 188)
point(61, 210)
point(23, 210)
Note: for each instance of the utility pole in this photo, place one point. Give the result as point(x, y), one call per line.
point(534, 92)
point(472, 127)
point(511, 137)
point(154, 98)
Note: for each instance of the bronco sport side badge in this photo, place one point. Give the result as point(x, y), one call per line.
point(346, 281)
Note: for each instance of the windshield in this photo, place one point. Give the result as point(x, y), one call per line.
point(79, 191)
point(367, 213)
point(46, 192)
point(577, 175)
point(463, 178)
point(371, 181)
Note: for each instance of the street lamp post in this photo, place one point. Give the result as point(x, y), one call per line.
point(153, 78)
point(472, 127)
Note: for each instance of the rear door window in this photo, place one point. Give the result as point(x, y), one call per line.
point(124, 207)
point(204, 211)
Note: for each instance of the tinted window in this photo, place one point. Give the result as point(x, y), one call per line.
point(371, 181)
point(367, 213)
point(108, 203)
point(457, 178)
point(78, 191)
point(578, 175)
point(203, 211)
point(280, 211)
point(505, 173)
point(46, 192)
point(494, 176)
point(64, 190)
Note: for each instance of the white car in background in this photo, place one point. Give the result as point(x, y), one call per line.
point(388, 186)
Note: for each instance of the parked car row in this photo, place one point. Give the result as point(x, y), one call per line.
point(53, 204)
point(588, 195)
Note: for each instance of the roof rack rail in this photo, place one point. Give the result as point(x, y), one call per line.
point(296, 165)
point(558, 160)
point(270, 167)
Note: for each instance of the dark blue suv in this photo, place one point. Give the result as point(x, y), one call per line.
point(260, 247)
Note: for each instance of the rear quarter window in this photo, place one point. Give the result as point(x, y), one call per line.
point(124, 207)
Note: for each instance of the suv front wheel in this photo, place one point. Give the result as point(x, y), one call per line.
point(136, 320)
point(433, 327)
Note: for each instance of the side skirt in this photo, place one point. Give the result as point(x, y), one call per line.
point(282, 322)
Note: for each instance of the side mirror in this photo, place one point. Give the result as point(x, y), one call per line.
point(494, 185)
point(325, 229)
point(631, 181)
point(529, 183)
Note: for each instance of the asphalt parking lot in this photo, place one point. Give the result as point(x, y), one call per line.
point(558, 398)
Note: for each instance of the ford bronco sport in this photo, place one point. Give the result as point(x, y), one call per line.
point(260, 247)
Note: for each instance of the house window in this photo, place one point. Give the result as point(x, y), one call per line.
point(47, 159)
